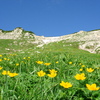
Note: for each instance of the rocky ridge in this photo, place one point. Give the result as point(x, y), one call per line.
point(17, 33)
point(89, 41)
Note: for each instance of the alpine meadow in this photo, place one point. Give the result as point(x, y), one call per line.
point(49, 68)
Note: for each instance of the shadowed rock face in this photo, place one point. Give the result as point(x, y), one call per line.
point(89, 41)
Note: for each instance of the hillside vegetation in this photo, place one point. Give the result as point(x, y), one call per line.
point(32, 69)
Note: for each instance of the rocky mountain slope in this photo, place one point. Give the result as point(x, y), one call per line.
point(89, 41)
point(17, 33)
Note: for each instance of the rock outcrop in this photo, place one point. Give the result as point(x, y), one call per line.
point(17, 33)
point(89, 41)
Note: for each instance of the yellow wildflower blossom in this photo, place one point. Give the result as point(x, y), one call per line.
point(90, 70)
point(39, 62)
point(5, 72)
point(47, 64)
point(5, 58)
point(66, 84)
point(41, 73)
point(13, 74)
point(57, 62)
point(8, 72)
point(80, 69)
point(97, 67)
point(80, 76)
point(52, 75)
point(80, 63)
point(0, 55)
point(0, 59)
point(83, 66)
point(24, 58)
point(92, 87)
point(70, 62)
point(52, 71)
point(8, 59)
point(17, 64)
point(1, 67)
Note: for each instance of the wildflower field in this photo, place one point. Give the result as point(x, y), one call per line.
point(52, 73)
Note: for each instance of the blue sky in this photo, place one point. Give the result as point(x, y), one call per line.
point(50, 17)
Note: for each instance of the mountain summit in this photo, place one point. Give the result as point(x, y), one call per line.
point(17, 33)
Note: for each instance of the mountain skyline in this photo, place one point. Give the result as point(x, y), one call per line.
point(89, 41)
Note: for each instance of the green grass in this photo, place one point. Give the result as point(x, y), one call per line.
point(13, 46)
point(27, 85)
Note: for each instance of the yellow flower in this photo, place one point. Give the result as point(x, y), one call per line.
point(52, 75)
point(8, 59)
point(5, 72)
point(0, 55)
point(97, 67)
point(41, 73)
point(66, 84)
point(92, 87)
point(5, 58)
point(0, 59)
point(70, 62)
point(57, 62)
point(47, 64)
point(22, 62)
point(24, 58)
point(80, 76)
point(80, 63)
point(13, 74)
point(9, 73)
point(83, 66)
point(17, 64)
point(80, 69)
point(52, 71)
point(90, 69)
point(39, 62)
point(1, 67)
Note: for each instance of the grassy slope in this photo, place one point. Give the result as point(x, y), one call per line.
point(69, 48)
point(14, 47)
point(33, 87)
point(57, 47)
